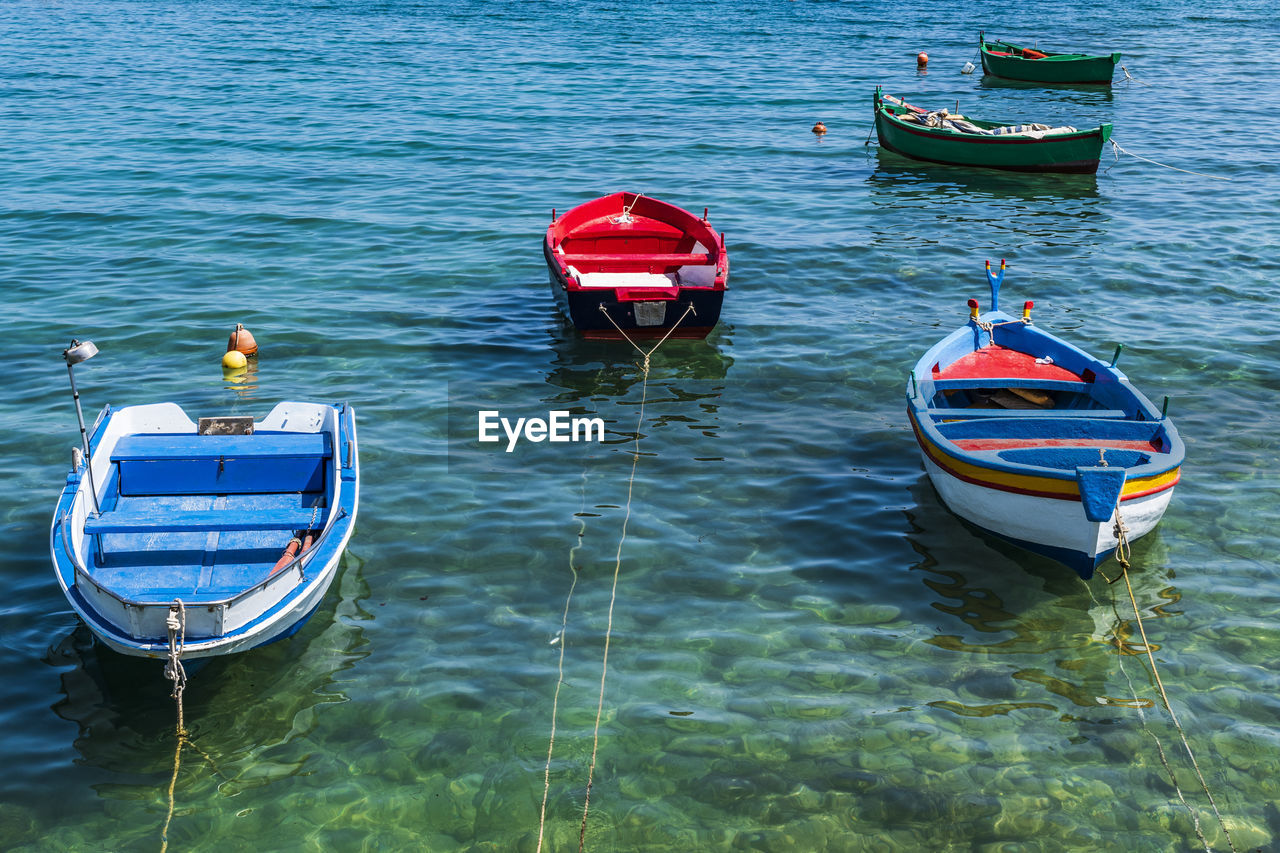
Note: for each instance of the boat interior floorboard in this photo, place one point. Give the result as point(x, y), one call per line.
point(197, 566)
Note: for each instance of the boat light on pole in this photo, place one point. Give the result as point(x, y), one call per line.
point(73, 355)
point(79, 352)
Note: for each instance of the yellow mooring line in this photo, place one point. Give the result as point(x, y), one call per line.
point(613, 595)
point(1122, 557)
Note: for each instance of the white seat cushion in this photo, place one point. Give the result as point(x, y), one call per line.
point(626, 279)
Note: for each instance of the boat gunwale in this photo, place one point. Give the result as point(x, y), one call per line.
point(1166, 477)
point(686, 223)
point(1103, 129)
point(342, 496)
point(1089, 67)
point(1050, 55)
point(80, 571)
point(920, 386)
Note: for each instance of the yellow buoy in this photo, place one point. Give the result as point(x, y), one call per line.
point(819, 128)
point(241, 340)
point(234, 360)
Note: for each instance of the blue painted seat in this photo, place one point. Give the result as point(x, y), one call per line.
point(171, 446)
point(203, 521)
point(970, 414)
point(1012, 382)
point(1044, 427)
point(187, 464)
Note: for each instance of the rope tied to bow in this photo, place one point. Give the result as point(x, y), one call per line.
point(176, 626)
point(1117, 151)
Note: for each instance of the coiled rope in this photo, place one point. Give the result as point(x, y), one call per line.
point(613, 593)
point(1122, 557)
point(176, 625)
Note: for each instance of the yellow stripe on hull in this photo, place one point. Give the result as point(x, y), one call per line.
point(1065, 488)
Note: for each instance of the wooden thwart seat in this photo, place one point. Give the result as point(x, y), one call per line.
point(1011, 382)
point(668, 259)
point(969, 414)
point(186, 464)
point(203, 521)
point(144, 447)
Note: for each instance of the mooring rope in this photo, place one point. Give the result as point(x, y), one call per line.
point(176, 624)
point(990, 328)
point(561, 639)
point(625, 216)
point(1138, 704)
point(1122, 557)
point(1129, 78)
point(1117, 150)
point(613, 594)
point(687, 311)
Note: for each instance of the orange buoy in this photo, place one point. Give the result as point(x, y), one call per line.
point(819, 128)
point(922, 58)
point(241, 340)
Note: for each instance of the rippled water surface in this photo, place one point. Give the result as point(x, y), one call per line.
point(806, 650)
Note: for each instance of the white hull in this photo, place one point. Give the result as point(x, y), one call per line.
point(258, 614)
point(1049, 525)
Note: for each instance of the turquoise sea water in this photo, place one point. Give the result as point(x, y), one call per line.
point(808, 652)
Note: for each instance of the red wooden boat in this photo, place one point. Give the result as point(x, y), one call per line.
point(626, 263)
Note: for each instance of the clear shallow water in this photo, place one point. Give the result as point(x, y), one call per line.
point(808, 651)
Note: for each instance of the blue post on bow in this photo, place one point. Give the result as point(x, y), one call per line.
point(995, 281)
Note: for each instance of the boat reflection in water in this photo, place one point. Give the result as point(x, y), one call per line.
point(583, 380)
point(238, 708)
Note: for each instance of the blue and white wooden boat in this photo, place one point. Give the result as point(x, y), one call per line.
point(1038, 442)
point(206, 519)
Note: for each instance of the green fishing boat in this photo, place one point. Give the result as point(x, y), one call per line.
point(942, 137)
point(1002, 59)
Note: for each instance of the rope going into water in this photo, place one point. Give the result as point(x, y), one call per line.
point(1117, 150)
point(1129, 78)
point(176, 625)
point(1138, 704)
point(1122, 557)
point(687, 311)
point(613, 591)
point(613, 595)
point(560, 638)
